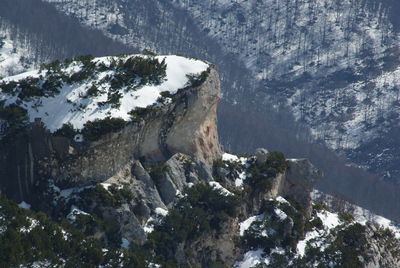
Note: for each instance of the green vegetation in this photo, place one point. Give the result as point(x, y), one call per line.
point(261, 175)
point(67, 130)
point(281, 232)
point(29, 88)
point(148, 52)
point(27, 237)
point(93, 130)
point(113, 100)
point(30, 237)
point(139, 113)
point(98, 195)
point(8, 87)
point(96, 200)
point(16, 120)
point(157, 172)
point(344, 251)
point(52, 84)
point(164, 96)
point(137, 71)
point(203, 210)
point(129, 73)
point(93, 91)
point(346, 217)
point(197, 80)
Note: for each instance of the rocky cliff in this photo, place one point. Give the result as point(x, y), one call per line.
point(263, 48)
point(185, 123)
point(152, 187)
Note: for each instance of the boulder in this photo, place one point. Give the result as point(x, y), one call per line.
point(261, 156)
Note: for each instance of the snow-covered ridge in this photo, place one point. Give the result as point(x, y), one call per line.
point(74, 103)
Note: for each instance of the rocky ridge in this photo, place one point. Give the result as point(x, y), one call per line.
point(158, 190)
point(185, 121)
point(333, 65)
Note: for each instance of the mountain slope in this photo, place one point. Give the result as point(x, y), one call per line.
point(299, 58)
point(38, 33)
point(155, 190)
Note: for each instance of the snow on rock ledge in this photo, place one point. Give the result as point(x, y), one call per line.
point(73, 106)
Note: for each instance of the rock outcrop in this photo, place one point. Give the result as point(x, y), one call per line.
point(186, 125)
point(301, 177)
point(296, 183)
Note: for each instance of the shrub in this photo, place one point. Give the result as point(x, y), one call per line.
point(347, 217)
point(52, 67)
point(112, 99)
point(86, 60)
point(93, 130)
point(197, 80)
point(202, 210)
point(157, 172)
point(139, 113)
point(52, 84)
point(67, 130)
point(93, 91)
point(8, 87)
point(79, 76)
point(16, 120)
point(29, 88)
point(276, 163)
point(261, 175)
point(149, 52)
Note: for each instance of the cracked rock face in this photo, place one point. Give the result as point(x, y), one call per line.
point(189, 127)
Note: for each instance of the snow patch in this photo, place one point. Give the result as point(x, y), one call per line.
point(161, 212)
point(252, 258)
point(329, 219)
point(75, 212)
point(125, 243)
point(244, 225)
point(301, 245)
point(282, 215)
point(217, 185)
point(32, 224)
point(24, 205)
point(230, 157)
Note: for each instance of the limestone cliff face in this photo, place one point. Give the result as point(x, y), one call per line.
point(189, 126)
point(186, 125)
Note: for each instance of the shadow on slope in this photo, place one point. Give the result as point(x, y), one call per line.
point(273, 131)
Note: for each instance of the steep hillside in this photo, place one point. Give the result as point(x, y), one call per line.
point(34, 32)
point(13, 57)
point(237, 219)
point(121, 155)
point(333, 64)
point(295, 76)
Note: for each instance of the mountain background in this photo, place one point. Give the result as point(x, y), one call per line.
point(314, 79)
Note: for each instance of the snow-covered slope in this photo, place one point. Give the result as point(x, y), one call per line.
point(330, 239)
point(95, 88)
point(14, 57)
point(361, 215)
